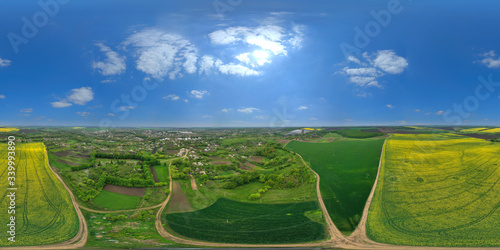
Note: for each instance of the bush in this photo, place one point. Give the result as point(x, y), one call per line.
point(253, 197)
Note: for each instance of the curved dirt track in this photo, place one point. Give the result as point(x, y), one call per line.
point(80, 238)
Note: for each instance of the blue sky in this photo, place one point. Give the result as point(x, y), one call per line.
point(249, 63)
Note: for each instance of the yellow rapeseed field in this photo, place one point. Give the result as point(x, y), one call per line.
point(44, 212)
point(8, 129)
point(437, 190)
point(493, 130)
point(472, 130)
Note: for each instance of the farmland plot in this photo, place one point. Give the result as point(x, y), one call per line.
point(44, 212)
point(347, 170)
point(437, 190)
point(239, 222)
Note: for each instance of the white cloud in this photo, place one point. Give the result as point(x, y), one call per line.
point(247, 110)
point(161, 54)
point(361, 71)
point(5, 62)
point(261, 117)
point(186, 100)
point(2, 97)
point(226, 110)
point(388, 61)
point(26, 110)
point(125, 108)
point(83, 114)
point(440, 112)
point(114, 64)
point(171, 97)
point(262, 43)
point(81, 96)
point(235, 69)
point(108, 81)
point(389, 106)
point(297, 36)
point(206, 64)
point(244, 58)
point(417, 110)
point(374, 66)
point(199, 93)
point(268, 37)
point(61, 104)
point(207, 116)
point(302, 107)
point(111, 114)
point(490, 60)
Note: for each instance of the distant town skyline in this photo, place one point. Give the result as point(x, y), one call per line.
point(249, 64)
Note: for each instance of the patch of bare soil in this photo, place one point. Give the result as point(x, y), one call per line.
point(67, 162)
point(179, 201)
point(155, 175)
point(482, 136)
point(193, 184)
point(135, 191)
point(242, 166)
point(283, 141)
point(63, 153)
point(257, 158)
point(249, 164)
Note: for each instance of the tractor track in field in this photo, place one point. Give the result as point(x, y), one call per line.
point(80, 238)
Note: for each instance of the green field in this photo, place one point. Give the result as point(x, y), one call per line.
point(238, 222)
point(347, 170)
point(437, 190)
point(43, 210)
point(114, 201)
point(162, 172)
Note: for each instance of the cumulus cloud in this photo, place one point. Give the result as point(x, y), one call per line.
point(371, 67)
point(263, 42)
point(389, 106)
point(388, 61)
point(61, 104)
point(247, 110)
point(114, 64)
point(226, 110)
point(302, 107)
point(490, 60)
point(199, 93)
point(171, 97)
point(162, 54)
point(5, 62)
point(80, 96)
point(268, 37)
